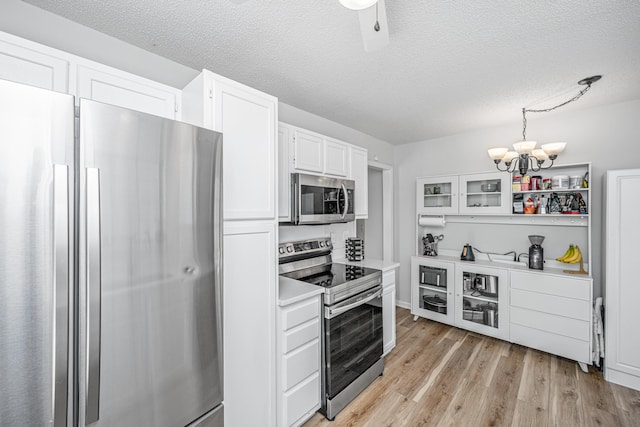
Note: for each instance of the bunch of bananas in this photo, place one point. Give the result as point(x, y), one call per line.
point(572, 256)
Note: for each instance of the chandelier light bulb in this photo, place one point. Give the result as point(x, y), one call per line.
point(497, 153)
point(509, 156)
point(554, 148)
point(524, 147)
point(539, 154)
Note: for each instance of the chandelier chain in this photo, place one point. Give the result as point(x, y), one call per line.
point(546, 110)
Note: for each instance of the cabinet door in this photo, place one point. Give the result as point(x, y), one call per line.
point(389, 317)
point(485, 193)
point(336, 158)
point(285, 141)
point(247, 119)
point(249, 323)
point(126, 90)
point(482, 300)
point(438, 195)
point(432, 289)
point(622, 292)
point(360, 174)
point(29, 63)
point(308, 154)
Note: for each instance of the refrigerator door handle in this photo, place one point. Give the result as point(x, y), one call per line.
point(93, 295)
point(61, 278)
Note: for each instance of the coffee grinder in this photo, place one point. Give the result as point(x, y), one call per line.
point(536, 253)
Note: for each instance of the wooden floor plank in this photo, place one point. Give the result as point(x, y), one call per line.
point(535, 384)
point(458, 378)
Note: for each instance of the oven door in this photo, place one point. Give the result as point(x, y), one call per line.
point(352, 339)
point(322, 200)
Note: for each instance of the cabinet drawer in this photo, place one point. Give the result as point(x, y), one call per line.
point(303, 399)
point(389, 278)
point(551, 343)
point(300, 363)
point(567, 307)
point(299, 313)
point(300, 335)
point(552, 285)
point(559, 325)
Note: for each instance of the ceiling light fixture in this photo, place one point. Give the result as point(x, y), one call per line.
point(357, 4)
point(526, 156)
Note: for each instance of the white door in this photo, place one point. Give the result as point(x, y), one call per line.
point(336, 158)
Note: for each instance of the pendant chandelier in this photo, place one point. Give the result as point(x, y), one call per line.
point(525, 156)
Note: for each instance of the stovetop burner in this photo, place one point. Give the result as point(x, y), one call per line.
point(310, 261)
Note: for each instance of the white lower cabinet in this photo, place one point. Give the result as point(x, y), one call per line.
point(552, 314)
point(481, 302)
point(299, 347)
point(388, 311)
point(249, 321)
point(542, 310)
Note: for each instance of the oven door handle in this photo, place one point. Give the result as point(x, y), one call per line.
point(331, 313)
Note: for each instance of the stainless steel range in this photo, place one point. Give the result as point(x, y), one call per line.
point(352, 326)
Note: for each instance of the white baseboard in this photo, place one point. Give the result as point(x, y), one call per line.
point(403, 304)
point(622, 378)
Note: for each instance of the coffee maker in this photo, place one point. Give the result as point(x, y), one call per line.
point(536, 253)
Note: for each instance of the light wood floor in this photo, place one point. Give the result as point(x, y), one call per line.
point(441, 375)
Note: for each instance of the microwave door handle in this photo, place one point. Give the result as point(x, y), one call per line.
point(346, 201)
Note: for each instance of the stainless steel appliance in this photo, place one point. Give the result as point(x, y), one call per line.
point(433, 276)
point(536, 253)
point(321, 200)
point(110, 266)
point(352, 327)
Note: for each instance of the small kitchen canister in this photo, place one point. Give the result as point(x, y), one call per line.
point(575, 182)
point(546, 183)
point(560, 182)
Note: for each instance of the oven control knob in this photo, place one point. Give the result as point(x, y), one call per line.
point(328, 243)
point(281, 249)
point(289, 249)
point(322, 243)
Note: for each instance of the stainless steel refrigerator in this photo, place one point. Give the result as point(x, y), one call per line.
point(110, 265)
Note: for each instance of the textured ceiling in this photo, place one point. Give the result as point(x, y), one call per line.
point(450, 67)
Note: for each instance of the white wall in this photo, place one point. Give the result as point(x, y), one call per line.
point(378, 150)
point(31, 23)
point(373, 224)
point(605, 136)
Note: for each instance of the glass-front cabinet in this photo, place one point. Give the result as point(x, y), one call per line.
point(485, 193)
point(482, 300)
point(432, 289)
point(437, 195)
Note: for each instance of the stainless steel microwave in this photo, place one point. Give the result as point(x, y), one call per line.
point(321, 199)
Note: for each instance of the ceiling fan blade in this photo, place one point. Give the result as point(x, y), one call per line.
point(374, 40)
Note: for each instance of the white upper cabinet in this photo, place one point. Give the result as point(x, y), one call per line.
point(32, 64)
point(285, 144)
point(336, 158)
point(437, 195)
point(248, 119)
point(360, 174)
point(308, 151)
point(485, 193)
point(112, 86)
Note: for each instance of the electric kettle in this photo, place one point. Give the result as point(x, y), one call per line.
point(467, 253)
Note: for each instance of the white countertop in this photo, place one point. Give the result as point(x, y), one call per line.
point(377, 264)
point(292, 290)
point(508, 266)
